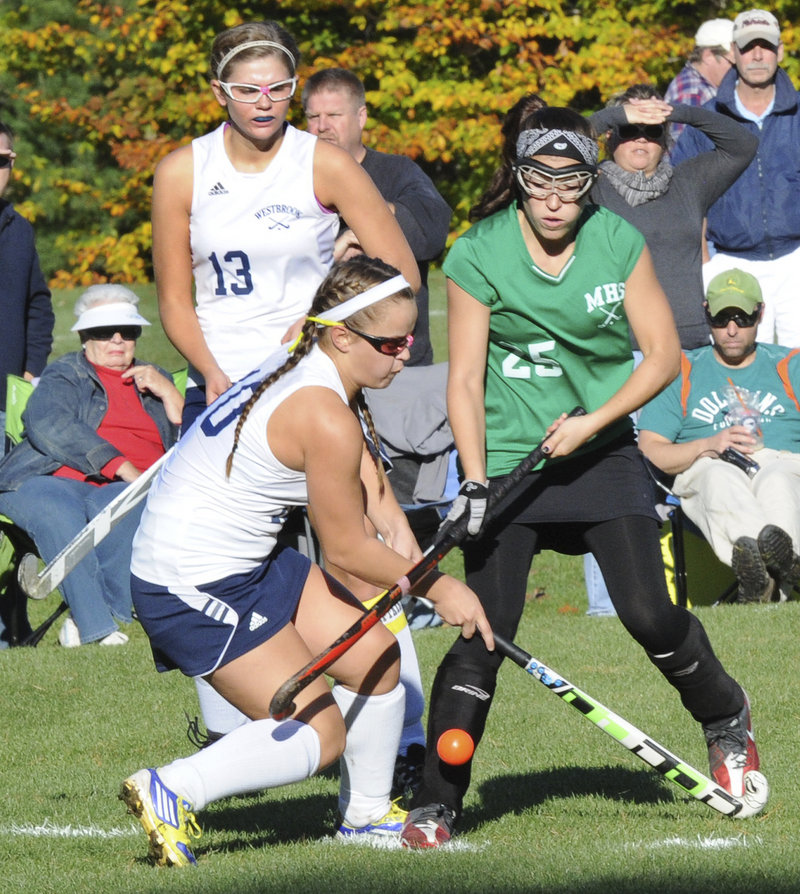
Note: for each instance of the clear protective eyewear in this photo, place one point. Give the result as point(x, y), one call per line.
point(280, 91)
point(541, 181)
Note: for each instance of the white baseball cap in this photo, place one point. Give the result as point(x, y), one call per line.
point(120, 313)
point(756, 24)
point(714, 33)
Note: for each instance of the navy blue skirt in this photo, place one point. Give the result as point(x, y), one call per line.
point(197, 629)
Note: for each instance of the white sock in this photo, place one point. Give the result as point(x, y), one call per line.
point(373, 726)
point(258, 755)
point(219, 715)
point(413, 731)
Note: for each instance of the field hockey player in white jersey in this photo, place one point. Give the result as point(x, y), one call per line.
point(219, 598)
point(249, 213)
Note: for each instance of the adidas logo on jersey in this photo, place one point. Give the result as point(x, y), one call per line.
point(218, 190)
point(257, 620)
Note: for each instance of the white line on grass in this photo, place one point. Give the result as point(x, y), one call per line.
point(48, 829)
point(703, 843)
point(389, 843)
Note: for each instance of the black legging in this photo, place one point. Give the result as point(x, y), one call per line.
point(497, 565)
point(629, 555)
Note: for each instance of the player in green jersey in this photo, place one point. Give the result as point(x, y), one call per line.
point(544, 292)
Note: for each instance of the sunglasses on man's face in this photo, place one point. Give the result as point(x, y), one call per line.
point(389, 346)
point(6, 161)
point(654, 133)
point(735, 315)
point(106, 333)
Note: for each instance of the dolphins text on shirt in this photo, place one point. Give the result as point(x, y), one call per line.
point(712, 408)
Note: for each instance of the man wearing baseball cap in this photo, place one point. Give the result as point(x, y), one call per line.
point(755, 225)
point(735, 393)
point(706, 66)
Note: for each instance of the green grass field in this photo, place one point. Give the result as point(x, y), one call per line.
point(555, 805)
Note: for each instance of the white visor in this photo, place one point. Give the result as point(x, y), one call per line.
point(121, 313)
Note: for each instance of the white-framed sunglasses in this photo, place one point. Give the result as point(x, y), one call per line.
point(280, 91)
point(540, 181)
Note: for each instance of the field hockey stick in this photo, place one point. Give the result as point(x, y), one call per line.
point(691, 781)
point(39, 584)
point(449, 535)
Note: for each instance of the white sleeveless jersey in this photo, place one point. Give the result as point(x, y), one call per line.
point(261, 244)
point(199, 526)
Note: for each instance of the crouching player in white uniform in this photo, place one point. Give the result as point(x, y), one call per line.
point(219, 598)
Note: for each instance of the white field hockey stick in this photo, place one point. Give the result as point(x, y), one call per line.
point(39, 584)
point(691, 781)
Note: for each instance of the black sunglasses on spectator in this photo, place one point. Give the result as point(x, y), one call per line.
point(652, 132)
point(735, 314)
point(106, 333)
point(6, 161)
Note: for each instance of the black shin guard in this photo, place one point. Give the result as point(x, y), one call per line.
point(707, 691)
point(460, 699)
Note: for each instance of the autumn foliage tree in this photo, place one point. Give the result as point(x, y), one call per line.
point(99, 92)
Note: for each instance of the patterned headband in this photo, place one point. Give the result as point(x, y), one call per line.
point(564, 143)
point(249, 45)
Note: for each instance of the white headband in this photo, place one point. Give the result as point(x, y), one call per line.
point(246, 46)
point(365, 299)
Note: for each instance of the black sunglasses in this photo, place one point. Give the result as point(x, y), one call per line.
point(6, 161)
point(652, 132)
point(736, 315)
point(389, 346)
point(106, 333)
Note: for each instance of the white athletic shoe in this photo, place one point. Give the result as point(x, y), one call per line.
point(115, 638)
point(69, 636)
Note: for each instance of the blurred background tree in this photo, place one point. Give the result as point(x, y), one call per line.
point(99, 92)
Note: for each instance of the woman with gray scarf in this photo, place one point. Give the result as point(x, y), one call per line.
point(668, 204)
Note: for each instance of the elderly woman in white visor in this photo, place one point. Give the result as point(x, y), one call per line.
point(97, 419)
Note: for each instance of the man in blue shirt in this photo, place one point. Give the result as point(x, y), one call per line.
point(735, 394)
point(755, 225)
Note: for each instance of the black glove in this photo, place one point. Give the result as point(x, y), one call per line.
point(472, 497)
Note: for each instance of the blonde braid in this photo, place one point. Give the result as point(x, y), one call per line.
point(301, 349)
point(343, 281)
point(376, 441)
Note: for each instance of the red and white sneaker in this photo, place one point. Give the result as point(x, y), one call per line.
point(428, 826)
point(734, 763)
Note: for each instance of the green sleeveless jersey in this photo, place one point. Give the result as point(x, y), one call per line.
point(555, 342)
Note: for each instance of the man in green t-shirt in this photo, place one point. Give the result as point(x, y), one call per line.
point(735, 394)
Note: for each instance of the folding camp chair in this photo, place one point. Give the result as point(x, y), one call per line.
point(15, 543)
point(694, 573)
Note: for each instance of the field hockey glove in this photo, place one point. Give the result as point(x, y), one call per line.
point(472, 497)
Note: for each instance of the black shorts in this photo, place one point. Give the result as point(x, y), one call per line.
point(571, 494)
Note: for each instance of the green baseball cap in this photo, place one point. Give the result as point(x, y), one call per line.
point(733, 288)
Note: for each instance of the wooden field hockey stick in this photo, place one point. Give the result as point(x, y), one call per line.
point(39, 584)
point(685, 776)
point(450, 535)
